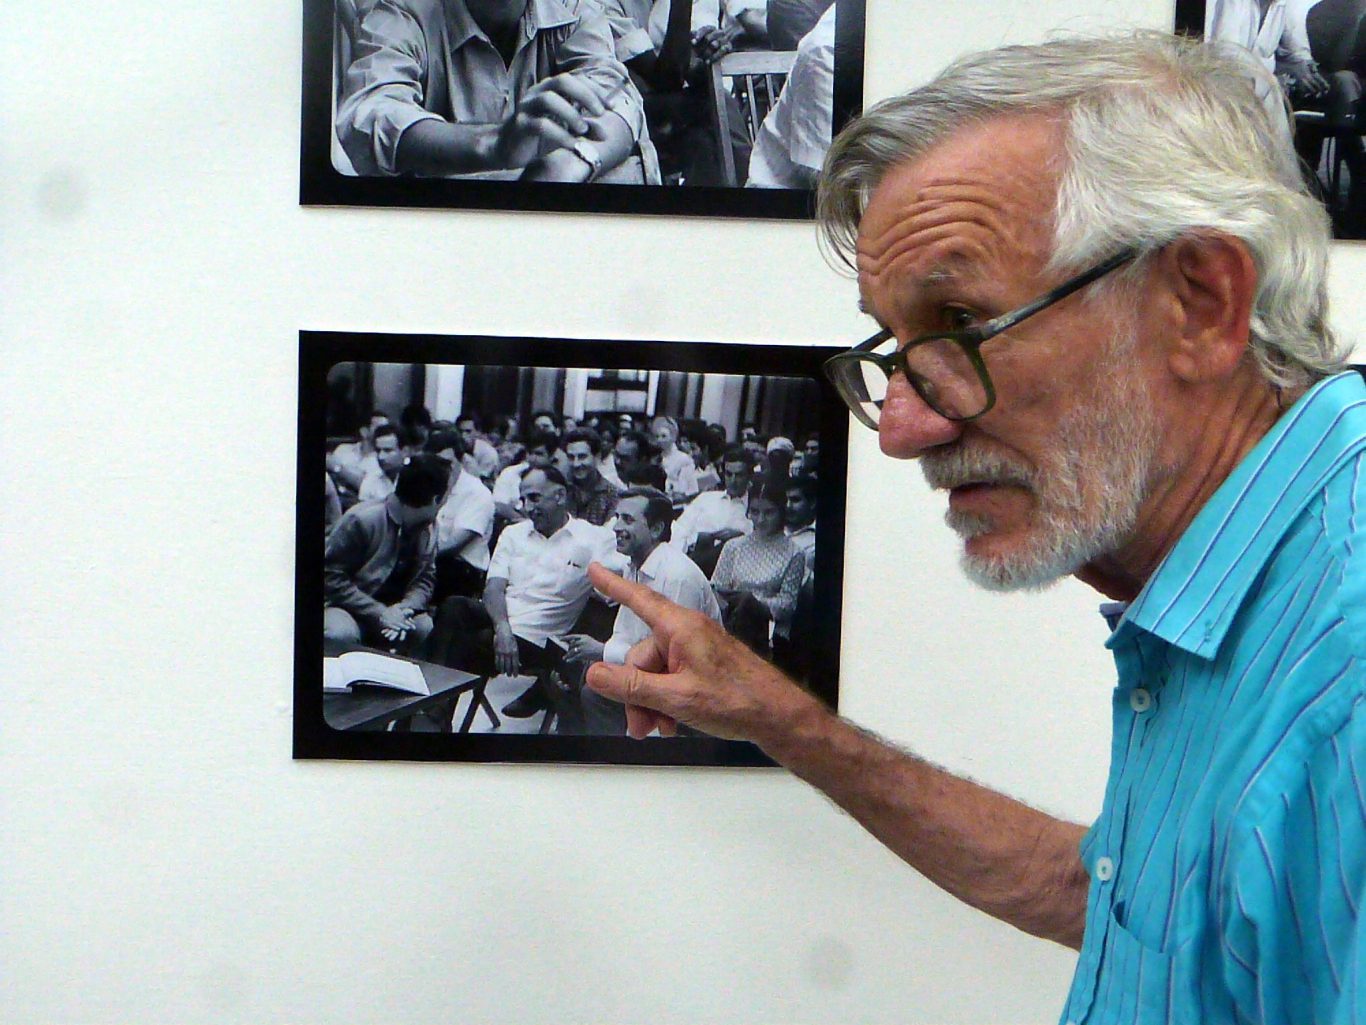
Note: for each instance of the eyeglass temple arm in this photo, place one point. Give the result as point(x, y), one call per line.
point(1009, 320)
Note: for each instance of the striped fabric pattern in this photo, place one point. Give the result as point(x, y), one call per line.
point(1228, 865)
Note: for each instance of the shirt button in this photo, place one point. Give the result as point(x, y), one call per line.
point(1140, 700)
point(1105, 869)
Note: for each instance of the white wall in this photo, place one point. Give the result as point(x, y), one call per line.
point(161, 856)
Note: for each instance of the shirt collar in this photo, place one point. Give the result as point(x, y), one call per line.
point(539, 15)
point(649, 569)
point(1193, 596)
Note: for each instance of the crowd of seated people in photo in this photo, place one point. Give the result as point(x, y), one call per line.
point(576, 90)
point(467, 543)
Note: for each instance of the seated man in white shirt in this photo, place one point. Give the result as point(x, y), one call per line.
point(715, 517)
point(537, 587)
point(641, 527)
point(389, 455)
point(464, 524)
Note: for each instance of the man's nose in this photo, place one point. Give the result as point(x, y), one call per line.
point(908, 427)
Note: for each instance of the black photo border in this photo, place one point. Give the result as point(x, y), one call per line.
point(319, 350)
point(320, 184)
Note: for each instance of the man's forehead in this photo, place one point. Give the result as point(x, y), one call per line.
point(983, 194)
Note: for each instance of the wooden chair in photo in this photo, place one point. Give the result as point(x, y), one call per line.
point(754, 78)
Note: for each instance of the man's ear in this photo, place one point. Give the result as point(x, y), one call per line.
point(1211, 280)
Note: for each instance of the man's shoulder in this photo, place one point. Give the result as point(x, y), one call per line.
point(471, 488)
point(368, 514)
point(666, 561)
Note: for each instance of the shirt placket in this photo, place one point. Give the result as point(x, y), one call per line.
point(1130, 701)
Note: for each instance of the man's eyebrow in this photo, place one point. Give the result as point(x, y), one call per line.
point(937, 275)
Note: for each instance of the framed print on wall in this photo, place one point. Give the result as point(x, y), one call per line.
point(1317, 51)
point(449, 482)
point(628, 106)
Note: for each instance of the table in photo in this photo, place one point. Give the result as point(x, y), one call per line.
point(379, 708)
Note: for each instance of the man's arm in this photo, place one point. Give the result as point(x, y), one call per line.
point(342, 556)
point(995, 853)
point(505, 656)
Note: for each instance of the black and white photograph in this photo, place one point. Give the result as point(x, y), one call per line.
point(454, 491)
point(704, 107)
point(1316, 49)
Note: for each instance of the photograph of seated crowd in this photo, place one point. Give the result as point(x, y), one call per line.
point(1317, 51)
point(654, 92)
point(465, 503)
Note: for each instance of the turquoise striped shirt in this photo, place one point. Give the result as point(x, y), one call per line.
point(1228, 865)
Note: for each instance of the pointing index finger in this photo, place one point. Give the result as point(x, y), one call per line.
point(645, 603)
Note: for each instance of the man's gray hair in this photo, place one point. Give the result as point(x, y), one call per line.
point(1164, 137)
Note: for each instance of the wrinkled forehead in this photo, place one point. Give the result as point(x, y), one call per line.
point(983, 198)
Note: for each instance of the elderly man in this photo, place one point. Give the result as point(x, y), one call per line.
point(440, 87)
point(537, 587)
point(1100, 289)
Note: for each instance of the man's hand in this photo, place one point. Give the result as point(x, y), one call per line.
point(505, 657)
point(582, 648)
point(395, 622)
point(711, 43)
point(690, 670)
point(551, 115)
point(1302, 80)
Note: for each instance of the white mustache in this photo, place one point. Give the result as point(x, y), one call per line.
point(952, 468)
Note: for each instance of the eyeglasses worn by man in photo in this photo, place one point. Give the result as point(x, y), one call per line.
point(945, 369)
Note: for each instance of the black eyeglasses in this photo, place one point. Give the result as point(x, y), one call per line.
point(946, 370)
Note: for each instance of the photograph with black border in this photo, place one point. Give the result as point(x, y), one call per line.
point(690, 107)
point(1316, 51)
point(453, 489)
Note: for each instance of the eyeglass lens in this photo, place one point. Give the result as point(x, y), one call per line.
point(939, 368)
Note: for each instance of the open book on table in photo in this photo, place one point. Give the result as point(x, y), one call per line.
point(373, 669)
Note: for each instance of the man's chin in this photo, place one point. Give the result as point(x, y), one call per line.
point(998, 563)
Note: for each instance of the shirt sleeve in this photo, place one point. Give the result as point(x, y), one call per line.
point(1293, 940)
point(473, 512)
point(684, 530)
point(629, 40)
point(504, 552)
point(505, 485)
point(383, 87)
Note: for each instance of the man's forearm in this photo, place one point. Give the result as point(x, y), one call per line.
point(495, 601)
point(999, 855)
point(439, 147)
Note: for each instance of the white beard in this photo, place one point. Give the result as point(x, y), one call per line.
point(1088, 487)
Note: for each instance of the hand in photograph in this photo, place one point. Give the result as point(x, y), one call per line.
point(711, 43)
point(554, 114)
point(395, 622)
point(582, 648)
point(505, 657)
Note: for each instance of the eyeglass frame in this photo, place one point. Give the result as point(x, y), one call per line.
point(969, 339)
